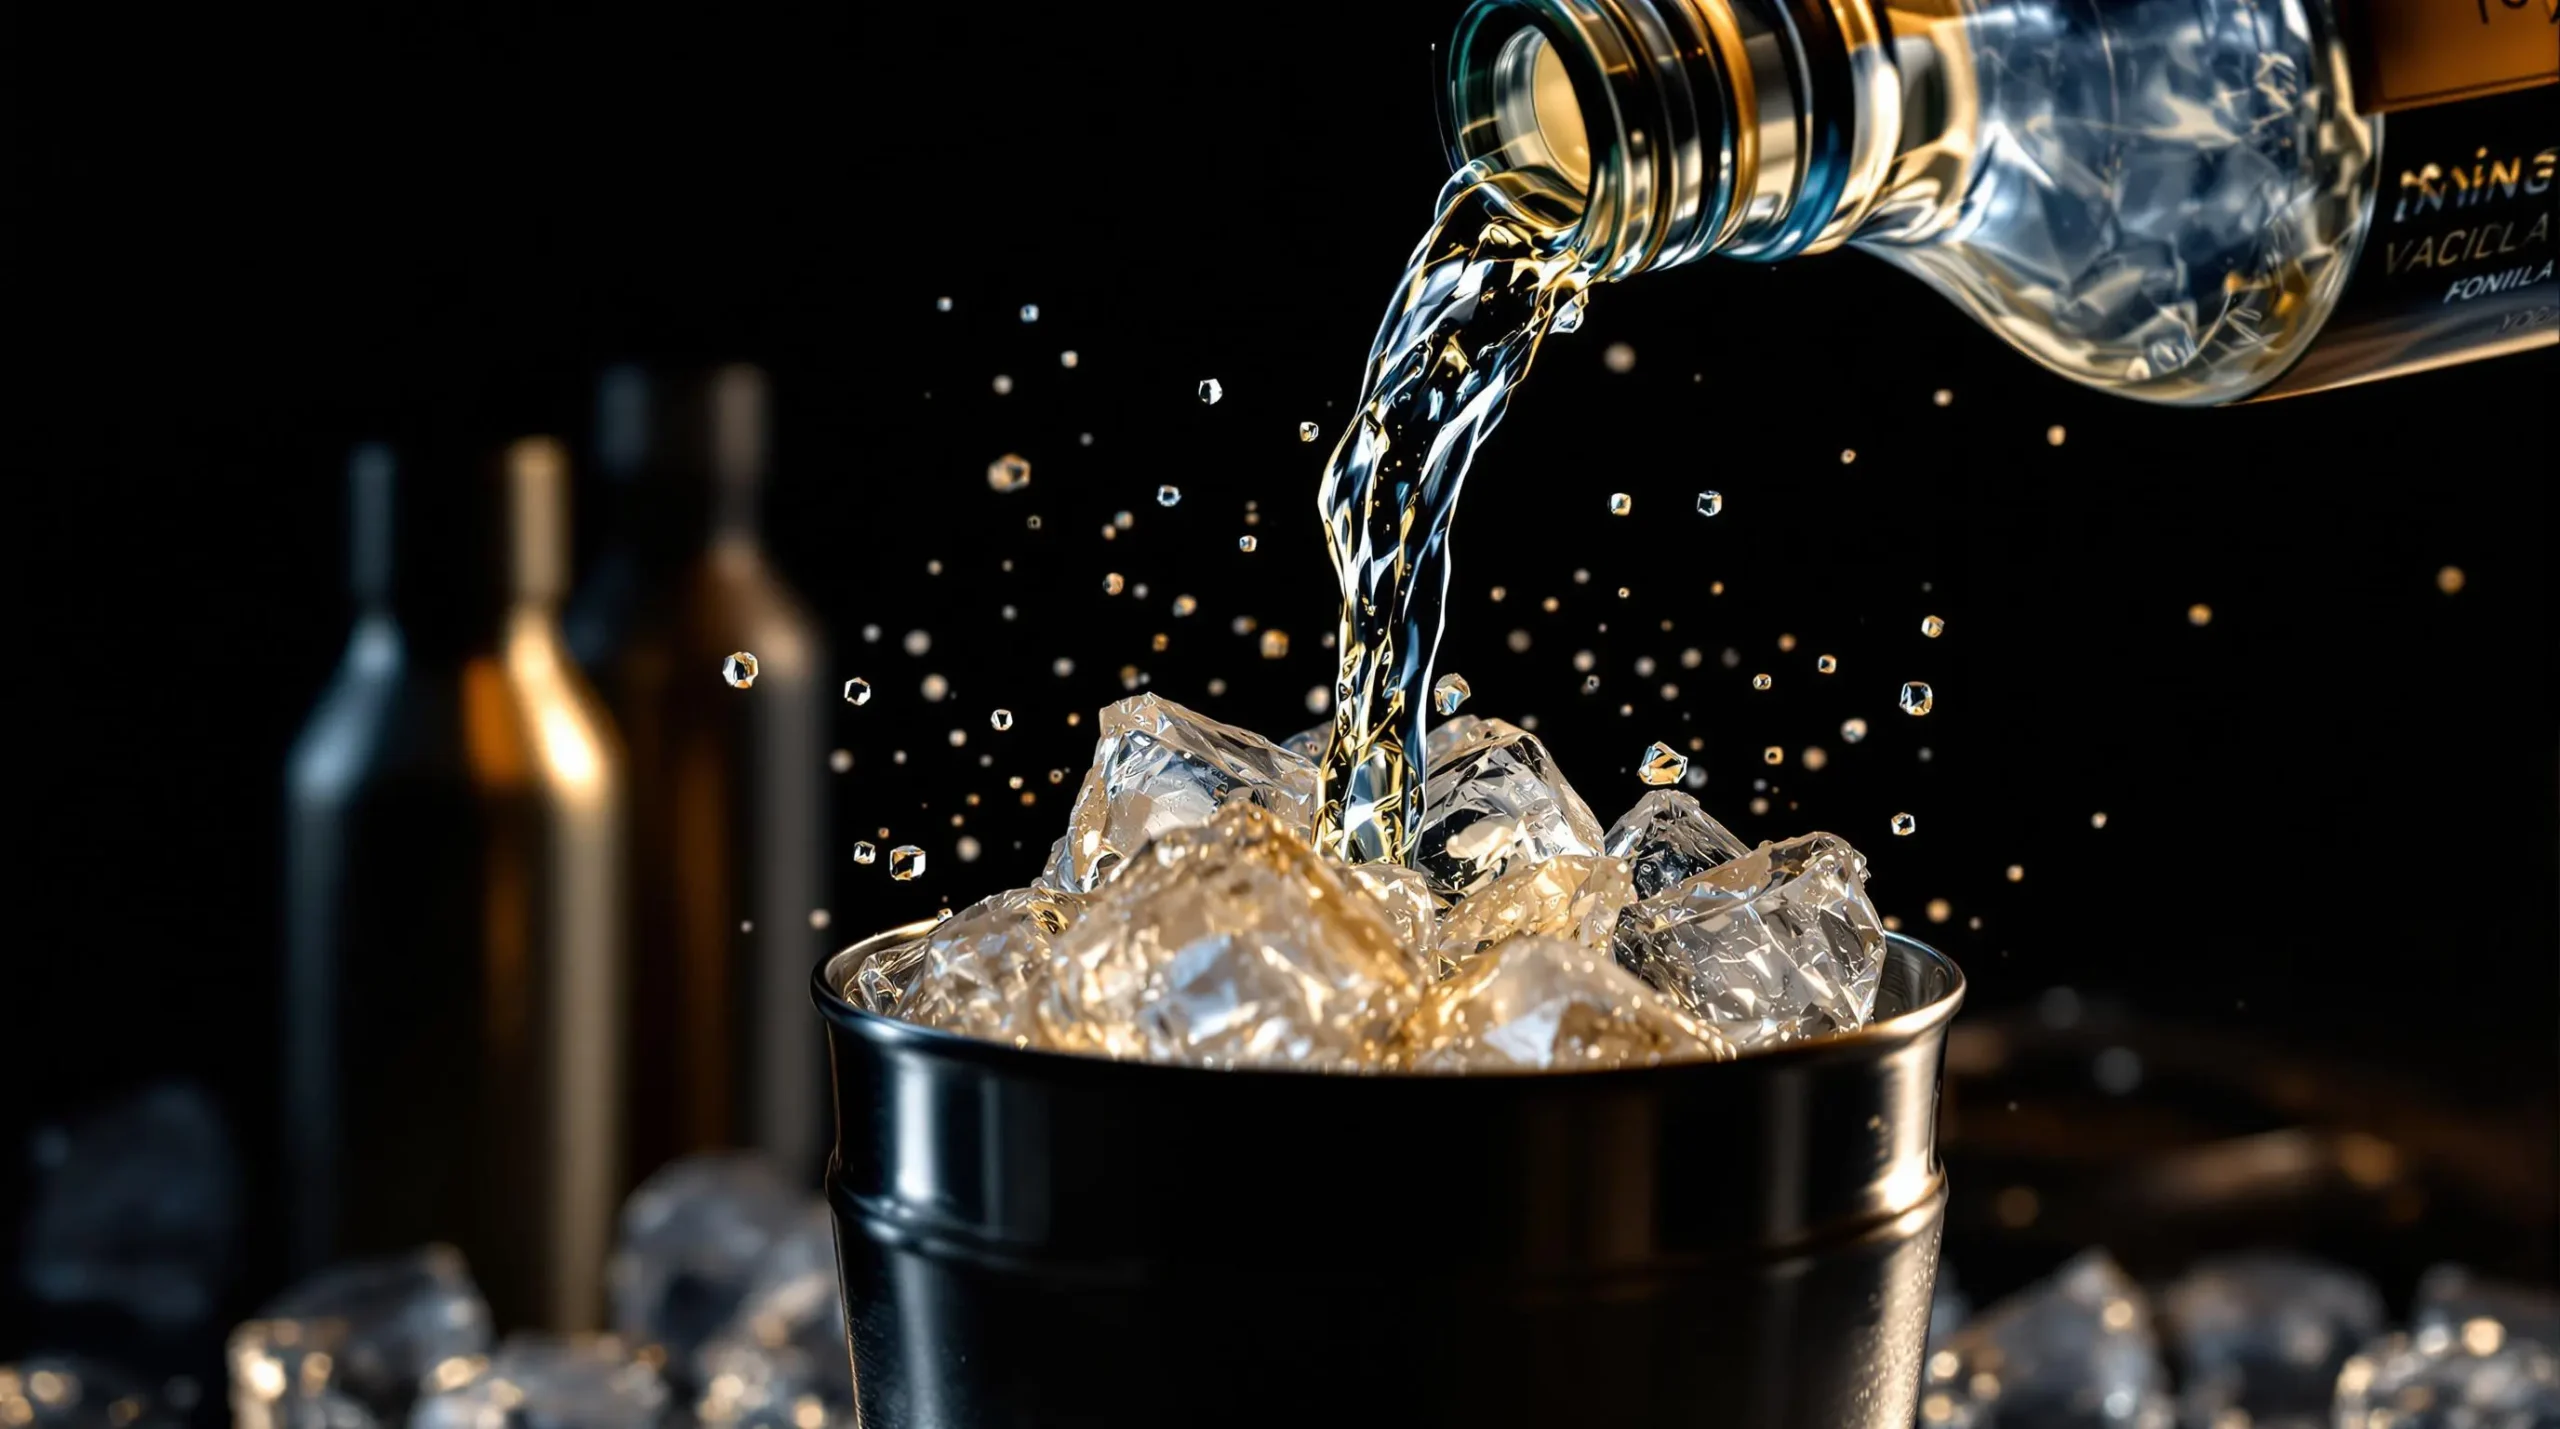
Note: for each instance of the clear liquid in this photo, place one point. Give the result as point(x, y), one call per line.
point(1481, 290)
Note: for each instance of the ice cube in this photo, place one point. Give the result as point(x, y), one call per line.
point(387, 1328)
point(2440, 1378)
point(134, 1207)
point(693, 1239)
point(282, 1374)
point(1575, 897)
point(69, 1392)
point(2263, 1336)
point(552, 1382)
point(1777, 945)
point(1159, 767)
point(2071, 1352)
point(1228, 943)
point(1494, 803)
point(2454, 1297)
point(977, 971)
point(1668, 839)
point(1308, 744)
point(1537, 1003)
point(1411, 910)
point(784, 1350)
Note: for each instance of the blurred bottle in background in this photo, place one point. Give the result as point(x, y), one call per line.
point(455, 965)
point(729, 836)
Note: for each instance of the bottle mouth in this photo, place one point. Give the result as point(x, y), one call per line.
point(1594, 111)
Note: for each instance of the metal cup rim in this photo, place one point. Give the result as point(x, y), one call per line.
point(1901, 1029)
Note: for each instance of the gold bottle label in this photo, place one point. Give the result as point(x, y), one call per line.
point(2457, 258)
point(2409, 53)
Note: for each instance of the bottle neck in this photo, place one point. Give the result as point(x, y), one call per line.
point(451, 549)
point(1674, 129)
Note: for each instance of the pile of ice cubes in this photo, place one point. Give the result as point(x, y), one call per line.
point(1186, 917)
point(724, 1307)
point(2253, 1341)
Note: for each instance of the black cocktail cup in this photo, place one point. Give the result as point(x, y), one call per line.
point(1027, 1238)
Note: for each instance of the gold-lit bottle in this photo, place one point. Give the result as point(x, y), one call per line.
point(2184, 201)
point(455, 962)
point(729, 826)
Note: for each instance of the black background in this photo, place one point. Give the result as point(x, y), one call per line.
point(243, 242)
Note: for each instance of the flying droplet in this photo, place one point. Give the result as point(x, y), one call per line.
point(2017, 873)
point(1112, 584)
point(1000, 720)
point(1003, 385)
point(1031, 312)
point(906, 862)
point(1246, 543)
point(1211, 391)
point(2199, 614)
point(1621, 503)
point(1942, 397)
point(1826, 664)
point(1068, 358)
point(857, 691)
point(739, 670)
point(916, 643)
point(1814, 757)
point(934, 688)
point(841, 761)
point(1449, 692)
point(1786, 643)
point(1319, 699)
point(2055, 436)
point(1903, 824)
point(1184, 605)
point(1848, 456)
point(863, 852)
point(1662, 764)
point(1308, 431)
point(1940, 910)
point(1711, 503)
point(1760, 682)
point(1518, 640)
point(1275, 644)
point(1917, 698)
point(1932, 626)
point(1124, 519)
point(1618, 357)
point(942, 305)
point(968, 849)
point(1062, 667)
point(820, 918)
point(1852, 730)
point(1168, 496)
point(1590, 684)
point(2098, 820)
point(2449, 579)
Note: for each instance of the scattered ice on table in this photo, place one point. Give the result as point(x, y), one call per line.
point(693, 1238)
point(2264, 1336)
point(1494, 802)
point(2453, 1297)
point(1227, 943)
point(2071, 1352)
point(283, 1376)
point(70, 1392)
point(1543, 1004)
point(387, 1328)
point(1667, 839)
point(781, 1358)
point(1573, 897)
point(133, 1207)
point(1777, 945)
point(2441, 1378)
point(552, 1382)
point(1159, 767)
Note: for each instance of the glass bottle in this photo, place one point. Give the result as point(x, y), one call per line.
point(453, 888)
point(2183, 201)
point(728, 830)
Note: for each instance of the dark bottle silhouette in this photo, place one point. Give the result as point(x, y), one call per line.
point(455, 965)
point(729, 821)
